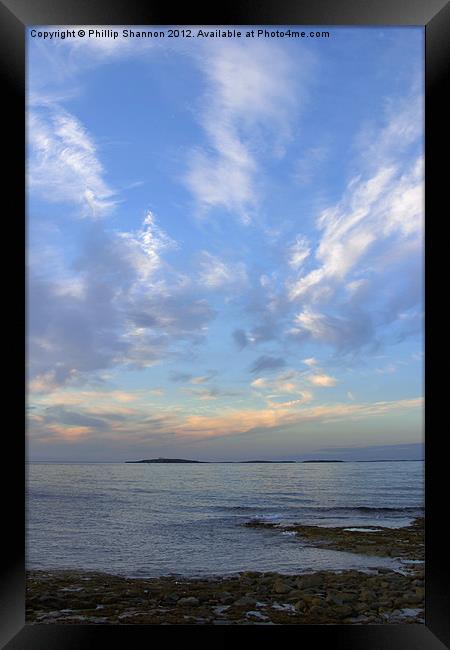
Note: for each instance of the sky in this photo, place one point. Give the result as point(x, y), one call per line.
point(225, 246)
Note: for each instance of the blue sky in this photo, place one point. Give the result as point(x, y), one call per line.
point(225, 246)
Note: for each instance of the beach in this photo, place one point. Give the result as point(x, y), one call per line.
point(374, 596)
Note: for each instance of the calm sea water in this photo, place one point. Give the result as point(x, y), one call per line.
point(148, 520)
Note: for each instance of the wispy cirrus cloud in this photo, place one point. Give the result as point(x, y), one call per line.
point(64, 164)
point(250, 98)
point(372, 232)
point(303, 398)
point(388, 204)
point(218, 274)
point(298, 252)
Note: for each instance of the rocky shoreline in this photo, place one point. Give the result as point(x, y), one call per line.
point(406, 542)
point(249, 598)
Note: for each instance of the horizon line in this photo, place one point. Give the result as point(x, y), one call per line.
point(320, 460)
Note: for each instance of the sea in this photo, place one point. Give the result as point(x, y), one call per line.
point(145, 520)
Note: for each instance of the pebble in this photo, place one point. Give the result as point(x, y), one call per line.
point(189, 601)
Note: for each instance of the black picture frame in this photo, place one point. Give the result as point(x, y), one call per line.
point(434, 16)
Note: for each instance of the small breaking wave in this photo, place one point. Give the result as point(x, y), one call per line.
point(369, 509)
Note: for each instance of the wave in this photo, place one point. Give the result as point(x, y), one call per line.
point(369, 508)
point(343, 513)
point(321, 509)
point(287, 507)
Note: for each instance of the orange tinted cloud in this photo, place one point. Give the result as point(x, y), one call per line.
point(70, 433)
point(235, 422)
point(148, 421)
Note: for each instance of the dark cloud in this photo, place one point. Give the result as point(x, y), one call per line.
point(64, 416)
point(346, 332)
point(180, 376)
point(211, 393)
point(265, 363)
point(70, 334)
point(113, 311)
point(380, 314)
point(240, 338)
point(267, 332)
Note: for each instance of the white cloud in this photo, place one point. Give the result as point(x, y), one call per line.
point(305, 397)
point(403, 126)
point(286, 383)
point(322, 380)
point(249, 99)
point(143, 249)
point(343, 332)
point(314, 323)
point(282, 384)
point(216, 274)
point(63, 164)
point(357, 287)
point(260, 382)
point(349, 229)
point(298, 252)
point(292, 382)
point(361, 277)
point(384, 203)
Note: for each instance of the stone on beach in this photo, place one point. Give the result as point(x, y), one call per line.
point(189, 601)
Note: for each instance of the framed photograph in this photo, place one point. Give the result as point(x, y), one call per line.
point(225, 219)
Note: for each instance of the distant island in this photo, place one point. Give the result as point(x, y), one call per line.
point(246, 462)
point(323, 461)
point(204, 462)
point(165, 460)
point(184, 460)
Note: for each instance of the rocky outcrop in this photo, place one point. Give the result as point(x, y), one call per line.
point(406, 542)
